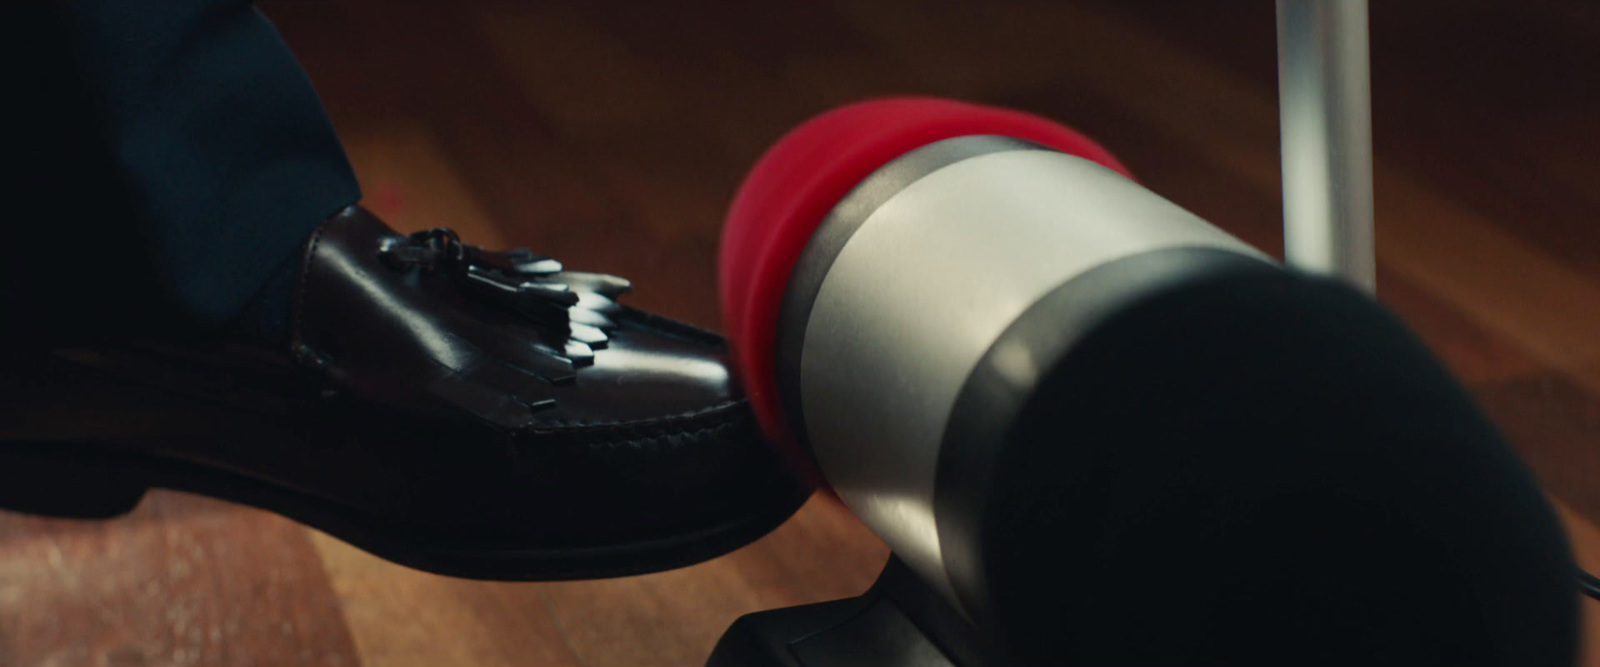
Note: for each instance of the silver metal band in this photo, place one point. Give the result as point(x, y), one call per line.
point(922, 289)
point(836, 229)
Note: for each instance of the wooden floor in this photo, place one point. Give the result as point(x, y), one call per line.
point(612, 135)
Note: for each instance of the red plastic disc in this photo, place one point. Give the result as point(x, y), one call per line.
point(801, 178)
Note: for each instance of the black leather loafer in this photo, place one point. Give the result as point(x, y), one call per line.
point(472, 413)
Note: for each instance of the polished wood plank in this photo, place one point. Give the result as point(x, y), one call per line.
point(400, 617)
point(1491, 102)
point(183, 580)
point(406, 180)
point(433, 65)
point(674, 618)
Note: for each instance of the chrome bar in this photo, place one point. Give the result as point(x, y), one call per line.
point(1324, 97)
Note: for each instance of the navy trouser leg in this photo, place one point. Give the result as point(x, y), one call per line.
point(177, 155)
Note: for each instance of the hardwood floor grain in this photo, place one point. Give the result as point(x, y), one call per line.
point(183, 580)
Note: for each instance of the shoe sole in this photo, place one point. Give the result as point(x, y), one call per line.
point(89, 482)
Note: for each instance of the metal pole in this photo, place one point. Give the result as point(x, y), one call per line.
point(1324, 101)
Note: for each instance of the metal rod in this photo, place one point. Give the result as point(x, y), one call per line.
point(1324, 101)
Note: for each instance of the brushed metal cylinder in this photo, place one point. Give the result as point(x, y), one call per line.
point(924, 287)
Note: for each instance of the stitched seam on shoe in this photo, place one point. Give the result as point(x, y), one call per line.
point(580, 426)
point(658, 442)
point(297, 337)
point(659, 437)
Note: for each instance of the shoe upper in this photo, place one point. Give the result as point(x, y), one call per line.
point(508, 338)
point(436, 393)
point(504, 366)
